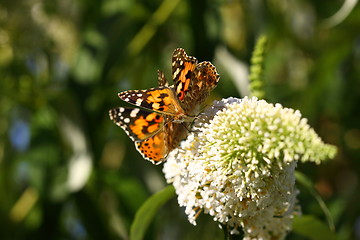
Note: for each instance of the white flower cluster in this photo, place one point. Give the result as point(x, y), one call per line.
point(238, 165)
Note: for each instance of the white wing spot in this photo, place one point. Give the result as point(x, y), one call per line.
point(126, 120)
point(134, 112)
point(139, 94)
point(179, 87)
point(138, 101)
point(176, 73)
point(121, 110)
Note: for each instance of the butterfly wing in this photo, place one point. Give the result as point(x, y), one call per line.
point(193, 82)
point(154, 149)
point(137, 123)
point(146, 129)
point(161, 100)
point(205, 80)
point(158, 132)
point(174, 133)
point(162, 79)
point(183, 67)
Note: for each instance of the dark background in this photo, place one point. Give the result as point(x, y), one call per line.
point(68, 172)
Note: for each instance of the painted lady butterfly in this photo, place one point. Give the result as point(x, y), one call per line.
point(167, 110)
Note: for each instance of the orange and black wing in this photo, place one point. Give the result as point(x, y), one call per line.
point(137, 123)
point(161, 100)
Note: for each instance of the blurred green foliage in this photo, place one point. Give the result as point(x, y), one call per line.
point(67, 172)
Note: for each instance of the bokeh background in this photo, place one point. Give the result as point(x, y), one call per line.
point(68, 172)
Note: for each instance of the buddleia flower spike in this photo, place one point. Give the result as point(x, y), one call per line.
point(238, 166)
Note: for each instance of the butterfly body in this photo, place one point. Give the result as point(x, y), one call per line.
point(166, 111)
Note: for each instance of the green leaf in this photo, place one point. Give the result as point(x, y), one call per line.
point(312, 228)
point(304, 180)
point(147, 212)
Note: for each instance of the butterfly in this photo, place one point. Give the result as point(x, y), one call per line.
point(166, 112)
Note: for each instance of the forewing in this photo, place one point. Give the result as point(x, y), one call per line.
point(183, 67)
point(137, 123)
point(161, 100)
point(193, 82)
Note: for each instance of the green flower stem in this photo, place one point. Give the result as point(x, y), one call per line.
point(256, 69)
